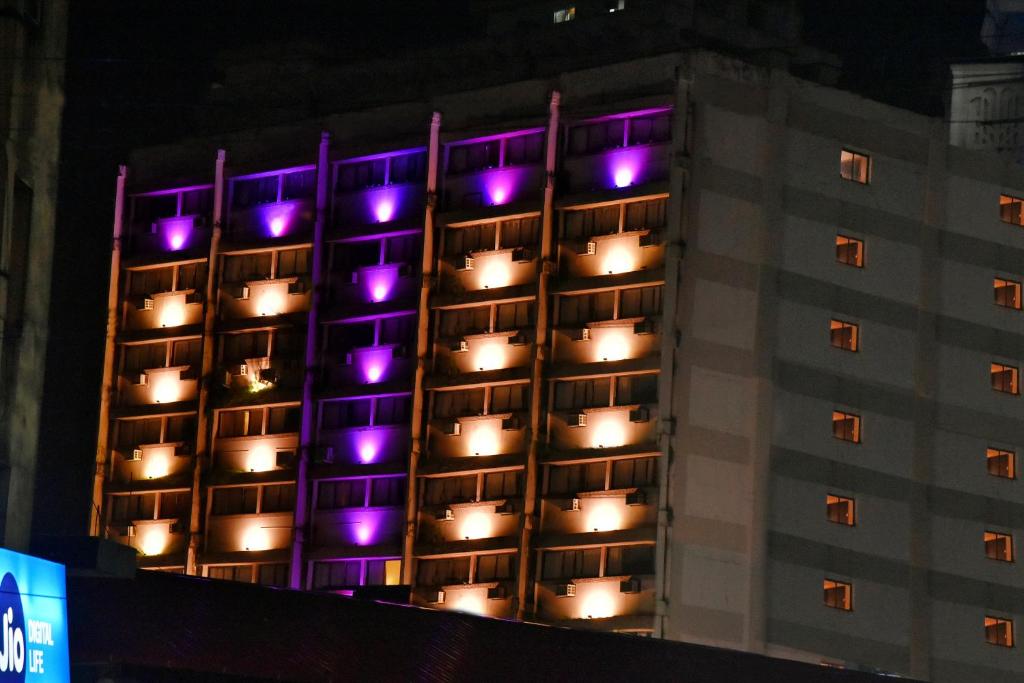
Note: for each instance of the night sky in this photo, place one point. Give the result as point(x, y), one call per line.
point(137, 75)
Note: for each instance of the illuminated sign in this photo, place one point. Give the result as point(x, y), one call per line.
point(33, 613)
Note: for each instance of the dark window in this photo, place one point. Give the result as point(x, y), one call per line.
point(571, 564)
point(495, 567)
point(521, 232)
point(350, 256)
point(175, 505)
point(132, 433)
point(583, 393)
point(648, 215)
point(187, 352)
point(341, 339)
point(293, 262)
point(253, 192)
point(474, 157)
point(247, 267)
point(343, 493)
point(595, 137)
point(584, 308)
point(289, 343)
point(237, 348)
point(631, 389)
point(508, 398)
point(515, 316)
point(191, 276)
point(387, 491)
point(404, 249)
point(577, 478)
point(278, 498)
point(197, 202)
point(452, 570)
point(524, 149)
point(272, 575)
point(640, 301)
point(361, 174)
point(299, 185)
point(237, 500)
point(634, 472)
point(152, 281)
point(458, 322)
point(181, 428)
point(399, 329)
point(343, 574)
point(458, 403)
point(284, 420)
point(342, 414)
point(440, 490)
point(231, 572)
point(147, 209)
point(408, 168)
point(393, 410)
point(240, 422)
point(460, 241)
point(630, 559)
point(130, 508)
point(644, 130)
point(139, 357)
point(499, 485)
point(603, 220)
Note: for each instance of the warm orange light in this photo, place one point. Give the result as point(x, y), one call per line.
point(495, 273)
point(152, 538)
point(166, 386)
point(489, 354)
point(482, 437)
point(470, 601)
point(599, 604)
point(262, 458)
point(155, 464)
point(612, 344)
point(603, 514)
point(608, 430)
point(270, 302)
point(256, 538)
point(618, 259)
point(476, 524)
point(172, 311)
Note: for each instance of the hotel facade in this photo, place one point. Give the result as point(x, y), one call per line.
point(681, 346)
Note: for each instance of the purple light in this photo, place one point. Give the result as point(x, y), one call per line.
point(367, 452)
point(626, 167)
point(378, 281)
point(362, 533)
point(277, 218)
point(623, 177)
point(176, 232)
point(365, 527)
point(503, 185)
point(373, 362)
point(384, 210)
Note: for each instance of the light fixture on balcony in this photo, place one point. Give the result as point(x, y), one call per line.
point(153, 541)
point(476, 524)
point(623, 176)
point(490, 355)
point(609, 431)
point(384, 211)
point(484, 437)
point(262, 458)
point(469, 601)
point(495, 274)
point(166, 388)
point(172, 312)
point(270, 302)
point(612, 345)
point(256, 538)
point(619, 259)
point(603, 514)
point(156, 464)
point(598, 604)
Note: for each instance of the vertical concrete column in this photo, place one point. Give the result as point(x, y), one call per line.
point(210, 300)
point(547, 267)
point(676, 216)
point(306, 435)
point(422, 347)
point(107, 383)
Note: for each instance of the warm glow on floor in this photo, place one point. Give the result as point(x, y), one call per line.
point(262, 458)
point(476, 524)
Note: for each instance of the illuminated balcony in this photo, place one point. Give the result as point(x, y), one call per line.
point(249, 532)
point(605, 427)
point(158, 462)
point(256, 375)
point(610, 340)
point(165, 309)
point(494, 171)
point(614, 254)
point(256, 453)
point(176, 234)
point(478, 271)
point(485, 352)
point(272, 205)
point(488, 599)
point(152, 537)
point(363, 445)
point(598, 602)
point(387, 204)
point(371, 365)
point(369, 527)
point(379, 284)
point(478, 435)
point(159, 385)
point(468, 521)
point(599, 511)
point(265, 298)
point(170, 221)
point(618, 152)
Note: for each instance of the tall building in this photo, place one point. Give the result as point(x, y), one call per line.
point(32, 36)
point(681, 345)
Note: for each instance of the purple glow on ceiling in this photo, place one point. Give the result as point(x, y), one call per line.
point(373, 363)
point(176, 232)
point(378, 281)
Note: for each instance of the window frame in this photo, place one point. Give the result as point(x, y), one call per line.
point(859, 178)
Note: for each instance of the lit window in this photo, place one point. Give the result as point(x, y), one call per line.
point(1004, 378)
point(1001, 463)
point(854, 166)
point(1007, 293)
point(615, 5)
point(564, 15)
point(1011, 209)
point(850, 251)
point(839, 510)
point(998, 546)
point(845, 335)
point(999, 631)
point(838, 594)
point(846, 426)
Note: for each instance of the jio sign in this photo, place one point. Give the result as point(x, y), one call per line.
point(33, 614)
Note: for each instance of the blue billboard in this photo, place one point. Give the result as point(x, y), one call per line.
point(34, 617)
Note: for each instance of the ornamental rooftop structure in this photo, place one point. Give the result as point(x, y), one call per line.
point(681, 346)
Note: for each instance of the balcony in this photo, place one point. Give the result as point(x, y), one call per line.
point(607, 601)
point(493, 188)
point(614, 254)
point(361, 446)
point(358, 527)
point(256, 453)
point(490, 270)
point(617, 169)
point(151, 537)
point(375, 286)
point(489, 599)
point(468, 521)
point(165, 310)
point(278, 220)
point(249, 532)
point(484, 352)
point(371, 365)
point(175, 234)
point(255, 375)
point(607, 341)
point(265, 298)
point(158, 461)
point(158, 385)
point(478, 435)
point(599, 511)
point(387, 204)
point(604, 427)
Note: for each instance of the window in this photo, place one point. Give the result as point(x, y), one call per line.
point(1004, 378)
point(571, 564)
point(630, 559)
point(838, 594)
point(272, 575)
point(854, 166)
point(603, 220)
point(237, 500)
point(443, 572)
point(383, 572)
point(572, 479)
point(563, 15)
point(457, 403)
point(640, 301)
point(337, 574)
point(846, 426)
point(998, 546)
point(850, 251)
point(495, 567)
point(1007, 293)
point(129, 508)
point(999, 631)
point(232, 423)
point(839, 510)
point(231, 572)
point(387, 491)
point(1011, 209)
point(501, 484)
point(845, 335)
point(342, 493)
point(584, 393)
point(349, 413)
point(634, 472)
point(457, 322)
point(150, 281)
point(584, 308)
point(1001, 463)
point(278, 498)
point(284, 420)
point(440, 490)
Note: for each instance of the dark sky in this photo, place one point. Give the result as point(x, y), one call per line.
point(137, 71)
